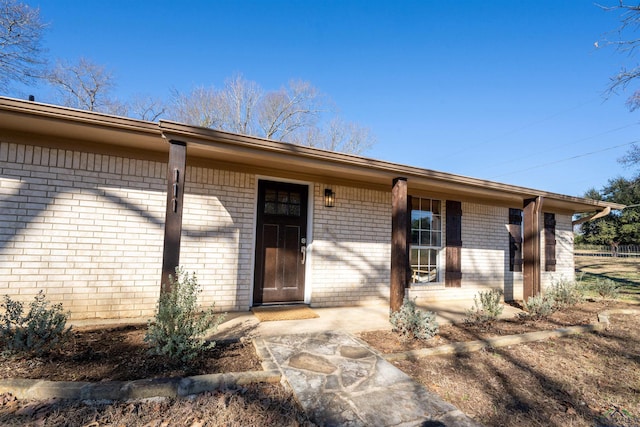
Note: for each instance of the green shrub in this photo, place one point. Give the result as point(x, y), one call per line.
point(179, 326)
point(540, 306)
point(38, 332)
point(487, 307)
point(566, 293)
point(413, 323)
point(606, 288)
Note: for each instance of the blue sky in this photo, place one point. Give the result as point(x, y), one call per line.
point(510, 91)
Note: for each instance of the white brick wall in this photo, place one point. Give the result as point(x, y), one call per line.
point(565, 267)
point(217, 235)
point(484, 257)
point(85, 228)
point(351, 248)
point(88, 230)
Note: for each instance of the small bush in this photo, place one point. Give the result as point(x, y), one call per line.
point(179, 326)
point(606, 288)
point(566, 293)
point(413, 323)
point(38, 332)
point(487, 307)
point(540, 307)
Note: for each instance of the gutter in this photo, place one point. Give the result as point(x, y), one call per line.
point(606, 211)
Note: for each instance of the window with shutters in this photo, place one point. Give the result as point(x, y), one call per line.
point(515, 239)
point(426, 239)
point(549, 242)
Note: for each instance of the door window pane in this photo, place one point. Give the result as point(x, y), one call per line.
point(282, 202)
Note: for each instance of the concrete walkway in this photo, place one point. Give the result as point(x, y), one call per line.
point(339, 381)
point(348, 319)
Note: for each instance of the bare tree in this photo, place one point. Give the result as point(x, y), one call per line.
point(626, 41)
point(289, 109)
point(348, 137)
point(200, 107)
point(294, 114)
point(146, 107)
point(85, 85)
point(336, 135)
point(632, 157)
point(20, 36)
point(238, 103)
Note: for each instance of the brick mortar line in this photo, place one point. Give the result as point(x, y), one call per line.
point(496, 342)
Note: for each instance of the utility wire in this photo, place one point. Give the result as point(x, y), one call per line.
point(558, 147)
point(516, 130)
point(566, 159)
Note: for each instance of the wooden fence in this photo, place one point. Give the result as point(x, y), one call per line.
point(625, 251)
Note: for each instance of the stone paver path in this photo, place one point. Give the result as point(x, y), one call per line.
point(340, 381)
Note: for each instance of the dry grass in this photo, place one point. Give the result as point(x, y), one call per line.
point(254, 405)
point(624, 271)
point(585, 380)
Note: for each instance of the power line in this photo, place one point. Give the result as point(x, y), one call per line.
point(566, 159)
point(558, 147)
point(516, 130)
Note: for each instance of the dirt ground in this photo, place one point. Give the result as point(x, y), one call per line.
point(583, 380)
point(254, 405)
point(120, 353)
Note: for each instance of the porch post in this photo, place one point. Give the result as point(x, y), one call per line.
point(399, 253)
point(173, 218)
point(531, 276)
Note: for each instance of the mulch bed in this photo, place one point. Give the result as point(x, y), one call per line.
point(582, 314)
point(121, 354)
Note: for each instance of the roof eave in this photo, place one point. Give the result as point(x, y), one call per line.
point(209, 142)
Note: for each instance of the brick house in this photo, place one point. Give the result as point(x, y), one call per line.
point(96, 209)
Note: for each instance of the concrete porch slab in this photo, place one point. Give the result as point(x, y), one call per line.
point(348, 319)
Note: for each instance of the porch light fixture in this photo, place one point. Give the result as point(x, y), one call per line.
point(329, 198)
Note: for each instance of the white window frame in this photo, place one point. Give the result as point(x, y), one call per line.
point(432, 273)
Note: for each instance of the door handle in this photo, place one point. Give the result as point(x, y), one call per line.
point(303, 250)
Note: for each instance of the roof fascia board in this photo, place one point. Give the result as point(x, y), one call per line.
point(418, 178)
point(61, 122)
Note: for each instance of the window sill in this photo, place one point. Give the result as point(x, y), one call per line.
point(431, 285)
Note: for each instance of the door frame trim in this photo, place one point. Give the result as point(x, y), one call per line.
point(310, 206)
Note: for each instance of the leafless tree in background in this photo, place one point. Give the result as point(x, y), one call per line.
point(297, 113)
point(289, 109)
point(627, 42)
point(200, 107)
point(239, 100)
point(85, 85)
point(146, 107)
point(20, 37)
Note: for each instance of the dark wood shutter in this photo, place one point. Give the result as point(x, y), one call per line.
point(549, 242)
point(453, 270)
point(515, 240)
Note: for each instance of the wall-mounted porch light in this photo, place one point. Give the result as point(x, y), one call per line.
point(329, 198)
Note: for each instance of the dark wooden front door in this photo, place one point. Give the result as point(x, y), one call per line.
point(281, 238)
